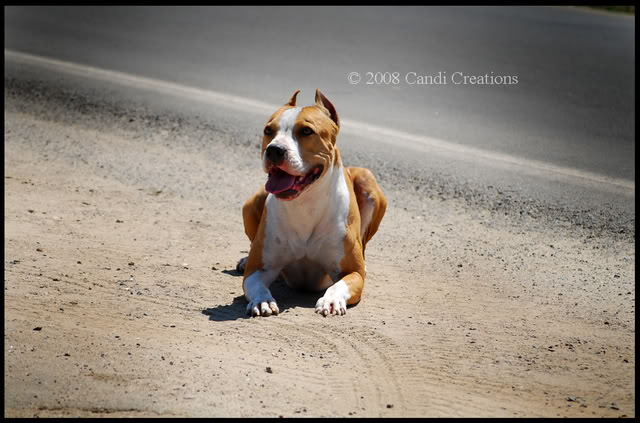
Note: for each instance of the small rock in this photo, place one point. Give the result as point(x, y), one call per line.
point(214, 268)
point(131, 263)
point(119, 221)
point(389, 405)
point(269, 370)
point(571, 399)
point(38, 328)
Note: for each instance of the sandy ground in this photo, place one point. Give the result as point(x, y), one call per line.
point(121, 298)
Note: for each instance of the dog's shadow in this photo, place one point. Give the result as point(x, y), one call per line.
point(287, 298)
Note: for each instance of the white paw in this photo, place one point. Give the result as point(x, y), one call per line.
point(331, 303)
point(264, 306)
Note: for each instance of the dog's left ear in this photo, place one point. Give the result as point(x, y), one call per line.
point(324, 103)
point(292, 100)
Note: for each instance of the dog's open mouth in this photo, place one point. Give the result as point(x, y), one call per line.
point(286, 186)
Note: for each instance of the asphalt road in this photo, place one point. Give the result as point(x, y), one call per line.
point(560, 135)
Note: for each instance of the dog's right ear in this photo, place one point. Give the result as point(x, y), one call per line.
point(292, 101)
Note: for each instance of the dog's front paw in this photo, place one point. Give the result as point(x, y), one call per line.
point(263, 307)
point(331, 303)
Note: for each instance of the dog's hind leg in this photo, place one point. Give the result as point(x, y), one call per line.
point(371, 202)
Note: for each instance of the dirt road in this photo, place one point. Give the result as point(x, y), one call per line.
point(121, 298)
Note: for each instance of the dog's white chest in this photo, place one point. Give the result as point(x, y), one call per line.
point(305, 238)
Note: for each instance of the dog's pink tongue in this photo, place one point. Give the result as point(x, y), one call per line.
point(279, 181)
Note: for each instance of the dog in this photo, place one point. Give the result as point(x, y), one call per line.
point(312, 220)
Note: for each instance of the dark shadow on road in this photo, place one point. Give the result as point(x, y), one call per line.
point(286, 298)
point(227, 312)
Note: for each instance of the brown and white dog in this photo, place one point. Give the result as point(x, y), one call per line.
point(311, 222)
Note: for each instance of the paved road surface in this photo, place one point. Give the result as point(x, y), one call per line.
point(571, 112)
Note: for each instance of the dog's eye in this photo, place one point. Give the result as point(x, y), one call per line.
point(268, 131)
point(306, 131)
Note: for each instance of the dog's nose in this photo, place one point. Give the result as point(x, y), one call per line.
point(275, 154)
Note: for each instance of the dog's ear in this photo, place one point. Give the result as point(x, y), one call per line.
point(292, 100)
point(324, 103)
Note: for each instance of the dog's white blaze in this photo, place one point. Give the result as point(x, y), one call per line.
point(288, 120)
point(286, 140)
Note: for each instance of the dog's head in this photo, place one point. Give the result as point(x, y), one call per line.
point(299, 146)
